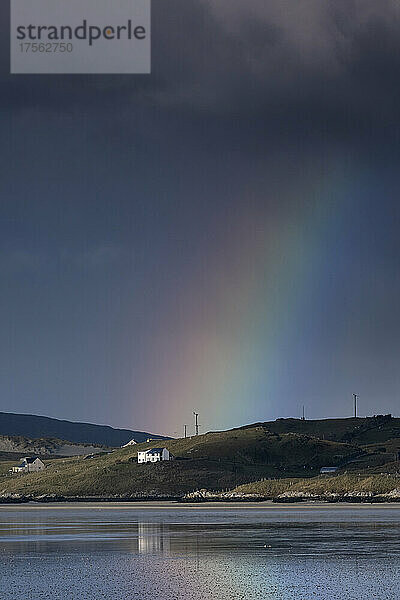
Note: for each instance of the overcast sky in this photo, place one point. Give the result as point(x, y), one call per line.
point(220, 236)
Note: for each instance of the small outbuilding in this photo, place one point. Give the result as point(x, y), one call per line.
point(328, 470)
point(29, 464)
point(154, 455)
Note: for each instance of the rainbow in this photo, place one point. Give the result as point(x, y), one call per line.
point(229, 334)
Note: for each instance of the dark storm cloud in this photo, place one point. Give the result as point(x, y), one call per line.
point(327, 67)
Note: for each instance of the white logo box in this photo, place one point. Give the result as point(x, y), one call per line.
point(80, 36)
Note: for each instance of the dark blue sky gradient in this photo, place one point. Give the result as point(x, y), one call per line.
point(121, 204)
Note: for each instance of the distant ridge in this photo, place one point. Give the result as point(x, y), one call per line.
point(34, 426)
point(359, 430)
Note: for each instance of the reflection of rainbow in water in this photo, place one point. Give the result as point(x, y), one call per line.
point(189, 565)
point(287, 562)
point(153, 538)
point(183, 566)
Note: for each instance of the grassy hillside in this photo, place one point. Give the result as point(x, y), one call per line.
point(324, 486)
point(377, 437)
point(225, 460)
point(214, 461)
point(258, 446)
point(5, 466)
point(360, 430)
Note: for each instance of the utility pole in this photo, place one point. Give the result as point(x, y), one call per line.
point(185, 430)
point(196, 422)
point(303, 418)
point(355, 396)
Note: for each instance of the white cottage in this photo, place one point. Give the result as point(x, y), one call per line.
point(29, 464)
point(154, 455)
point(131, 443)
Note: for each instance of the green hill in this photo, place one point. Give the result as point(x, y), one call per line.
point(214, 460)
point(283, 449)
point(360, 430)
point(377, 437)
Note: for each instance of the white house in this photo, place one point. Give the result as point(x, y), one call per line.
point(29, 464)
point(131, 443)
point(154, 455)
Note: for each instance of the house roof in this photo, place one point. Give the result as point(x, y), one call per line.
point(132, 442)
point(155, 451)
point(329, 468)
point(30, 459)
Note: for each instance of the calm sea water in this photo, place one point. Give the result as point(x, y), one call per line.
point(170, 552)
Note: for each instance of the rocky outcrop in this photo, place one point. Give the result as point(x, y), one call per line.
point(293, 496)
point(207, 496)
